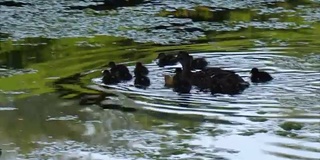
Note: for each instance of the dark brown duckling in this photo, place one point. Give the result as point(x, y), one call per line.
point(197, 63)
point(121, 71)
point(259, 76)
point(109, 78)
point(141, 81)
point(180, 84)
point(228, 84)
point(140, 69)
point(166, 59)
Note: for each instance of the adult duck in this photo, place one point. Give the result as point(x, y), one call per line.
point(166, 59)
point(141, 69)
point(259, 76)
point(121, 71)
point(109, 78)
point(197, 63)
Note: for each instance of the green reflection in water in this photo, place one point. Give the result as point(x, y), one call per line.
point(48, 118)
point(66, 56)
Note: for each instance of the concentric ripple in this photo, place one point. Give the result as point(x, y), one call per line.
point(291, 96)
point(289, 85)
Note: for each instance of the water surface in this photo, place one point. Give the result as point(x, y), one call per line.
point(44, 41)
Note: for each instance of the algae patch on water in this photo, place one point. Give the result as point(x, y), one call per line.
point(291, 126)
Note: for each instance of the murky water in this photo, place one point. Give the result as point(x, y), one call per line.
point(281, 37)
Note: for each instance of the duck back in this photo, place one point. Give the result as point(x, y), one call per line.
point(228, 84)
point(141, 81)
point(121, 72)
point(141, 70)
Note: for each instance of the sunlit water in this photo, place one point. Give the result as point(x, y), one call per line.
point(168, 125)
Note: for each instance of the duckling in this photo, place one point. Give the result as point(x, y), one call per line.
point(141, 81)
point(228, 84)
point(197, 63)
point(120, 71)
point(166, 59)
point(168, 81)
point(259, 76)
point(180, 84)
point(109, 78)
point(140, 69)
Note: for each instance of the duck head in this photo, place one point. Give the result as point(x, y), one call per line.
point(254, 70)
point(138, 64)
point(106, 72)
point(161, 55)
point(182, 54)
point(112, 64)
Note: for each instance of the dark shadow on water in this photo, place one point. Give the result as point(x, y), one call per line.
point(13, 4)
point(109, 4)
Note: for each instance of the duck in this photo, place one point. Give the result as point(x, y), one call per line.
point(109, 78)
point(231, 84)
point(217, 80)
point(259, 76)
point(140, 69)
point(168, 81)
point(197, 63)
point(120, 71)
point(141, 81)
point(180, 84)
point(166, 59)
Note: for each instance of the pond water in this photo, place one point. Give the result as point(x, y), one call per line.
point(42, 41)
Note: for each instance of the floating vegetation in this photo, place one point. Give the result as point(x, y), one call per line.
point(288, 126)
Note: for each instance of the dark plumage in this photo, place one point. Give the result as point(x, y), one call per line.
point(180, 84)
point(141, 81)
point(197, 63)
point(140, 69)
point(166, 59)
point(216, 70)
point(109, 78)
point(228, 84)
point(259, 76)
point(120, 71)
point(215, 79)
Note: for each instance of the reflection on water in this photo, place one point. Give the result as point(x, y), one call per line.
point(281, 37)
point(167, 21)
point(170, 126)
